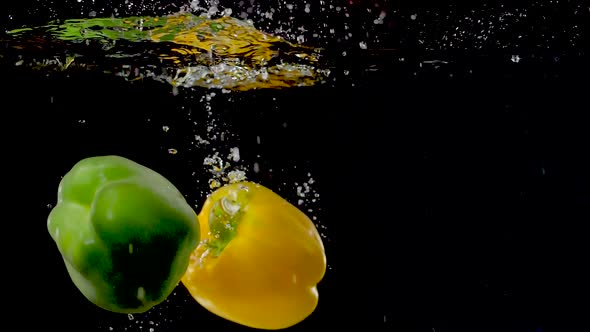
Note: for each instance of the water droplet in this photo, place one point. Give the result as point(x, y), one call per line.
point(229, 204)
point(236, 176)
point(130, 316)
point(234, 154)
point(141, 294)
point(515, 58)
point(172, 151)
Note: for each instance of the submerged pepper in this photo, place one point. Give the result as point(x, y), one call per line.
point(124, 231)
point(259, 261)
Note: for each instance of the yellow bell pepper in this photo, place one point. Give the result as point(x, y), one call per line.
point(259, 261)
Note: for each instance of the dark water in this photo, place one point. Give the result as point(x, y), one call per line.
point(450, 157)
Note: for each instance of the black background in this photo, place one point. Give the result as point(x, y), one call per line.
point(455, 194)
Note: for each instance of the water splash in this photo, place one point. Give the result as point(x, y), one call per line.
point(183, 50)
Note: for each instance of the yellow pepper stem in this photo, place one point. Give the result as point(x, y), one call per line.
point(224, 219)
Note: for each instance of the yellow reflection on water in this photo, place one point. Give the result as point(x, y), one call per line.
point(193, 51)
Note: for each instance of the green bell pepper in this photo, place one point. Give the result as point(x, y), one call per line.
point(124, 231)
